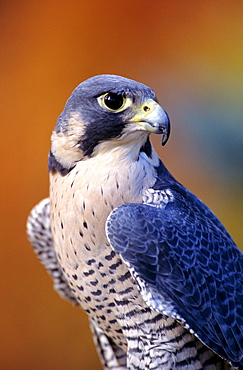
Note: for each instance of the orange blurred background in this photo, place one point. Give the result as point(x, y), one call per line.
point(190, 52)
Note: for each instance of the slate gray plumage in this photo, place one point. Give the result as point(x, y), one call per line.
point(156, 271)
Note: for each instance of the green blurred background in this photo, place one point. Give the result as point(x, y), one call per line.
point(190, 52)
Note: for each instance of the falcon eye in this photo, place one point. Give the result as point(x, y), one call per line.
point(114, 101)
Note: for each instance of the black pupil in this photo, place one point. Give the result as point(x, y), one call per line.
point(113, 101)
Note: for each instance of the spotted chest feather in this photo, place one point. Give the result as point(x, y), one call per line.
point(80, 204)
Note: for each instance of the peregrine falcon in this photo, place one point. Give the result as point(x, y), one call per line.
point(157, 273)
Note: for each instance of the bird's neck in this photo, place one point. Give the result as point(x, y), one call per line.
point(116, 171)
point(94, 187)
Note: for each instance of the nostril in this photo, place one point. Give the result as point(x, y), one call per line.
point(146, 108)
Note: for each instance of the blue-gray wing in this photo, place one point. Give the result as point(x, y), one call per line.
point(186, 266)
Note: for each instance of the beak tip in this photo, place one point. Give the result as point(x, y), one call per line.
point(166, 130)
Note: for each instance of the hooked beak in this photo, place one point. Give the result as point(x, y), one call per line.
point(152, 118)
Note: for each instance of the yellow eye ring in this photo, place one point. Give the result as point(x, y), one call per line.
point(114, 102)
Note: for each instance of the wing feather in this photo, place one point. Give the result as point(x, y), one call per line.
point(186, 265)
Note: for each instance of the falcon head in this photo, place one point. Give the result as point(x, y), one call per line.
point(106, 112)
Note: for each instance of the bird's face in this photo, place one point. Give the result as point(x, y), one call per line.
point(104, 112)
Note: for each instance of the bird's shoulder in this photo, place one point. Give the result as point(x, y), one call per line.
point(184, 261)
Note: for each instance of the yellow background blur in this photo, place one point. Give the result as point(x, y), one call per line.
point(190, 52)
